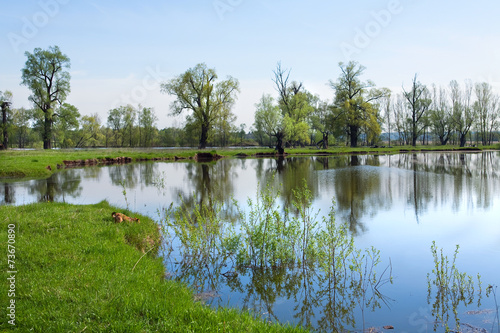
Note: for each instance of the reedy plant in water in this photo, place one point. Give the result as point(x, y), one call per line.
point(452, 288)
point(267, 237)
point(271, 237)
point(199, 228)
point(489, 290)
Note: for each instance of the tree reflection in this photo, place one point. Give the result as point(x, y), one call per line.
point(8, 196)
point(210, 183)
point(287, 175)
point(58, 186)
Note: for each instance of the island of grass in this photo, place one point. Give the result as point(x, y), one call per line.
point(75, 270)
point(42, 163)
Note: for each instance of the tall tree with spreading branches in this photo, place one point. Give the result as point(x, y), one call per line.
point(197, 91)
point(355, 102)
point(46, 75)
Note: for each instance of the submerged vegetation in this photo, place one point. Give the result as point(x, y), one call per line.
point(452, 288)
point(287, 248)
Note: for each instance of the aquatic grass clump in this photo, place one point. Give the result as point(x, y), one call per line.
point(284, 250)
point(267, 236)
point(452, 288)
point(199, 228)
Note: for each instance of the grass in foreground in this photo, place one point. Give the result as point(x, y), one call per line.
point(77, 271)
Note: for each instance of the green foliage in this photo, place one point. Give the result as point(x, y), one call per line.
point(284, 246)
point(355, 106)
point(268, 118)
point(452, 288)
point(196, 91)
point(45, 74)
point(267, 238)
point(295, 105)
point(199, 229)
point(79, 271)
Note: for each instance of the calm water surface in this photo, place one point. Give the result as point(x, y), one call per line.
point(399, 204)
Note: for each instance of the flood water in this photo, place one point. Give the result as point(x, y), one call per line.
point(399, 204)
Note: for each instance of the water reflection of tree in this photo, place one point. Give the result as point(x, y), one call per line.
point(210, 183)
point(58, 186)
point(8, 196)
point(358, 191)
point(127, 175)
point(288, 175)
point(437, 178)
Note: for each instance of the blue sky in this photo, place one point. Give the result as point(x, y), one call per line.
point(121, 51)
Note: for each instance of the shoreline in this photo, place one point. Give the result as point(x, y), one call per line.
point(32, 164)
point(77, 270)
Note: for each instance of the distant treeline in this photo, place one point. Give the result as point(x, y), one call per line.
point(358, 114)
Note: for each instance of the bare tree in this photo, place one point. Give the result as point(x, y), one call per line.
point(418, 103)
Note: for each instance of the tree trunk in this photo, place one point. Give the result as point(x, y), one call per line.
point(325, 140)
point(279, 144)
point(47, 131)
point(463, 140)
point(353, 132)
point(4, 106)
point(203, 137)
point(414, 139)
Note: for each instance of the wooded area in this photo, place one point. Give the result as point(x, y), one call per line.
point(360, 113)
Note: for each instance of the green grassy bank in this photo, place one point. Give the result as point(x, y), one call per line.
point(78, 271)
point(42, 163)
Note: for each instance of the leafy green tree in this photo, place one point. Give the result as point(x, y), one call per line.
point(418, 101)
point(322, 120)
point(354, 102)
point(5, 102)
point(223, 127)
point(172, 137)
point(268, 118)
point(295, 105)
point(121, 121)
point(66, 124)
point(45, 74)
point(90, 134)
point(21, 126)
point(296, 116)
point(147, 129)
point(129, 115)
point(115, 124)
point(197, 91)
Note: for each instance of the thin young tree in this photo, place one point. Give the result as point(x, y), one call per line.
point(418, 100)
point(463, 114)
